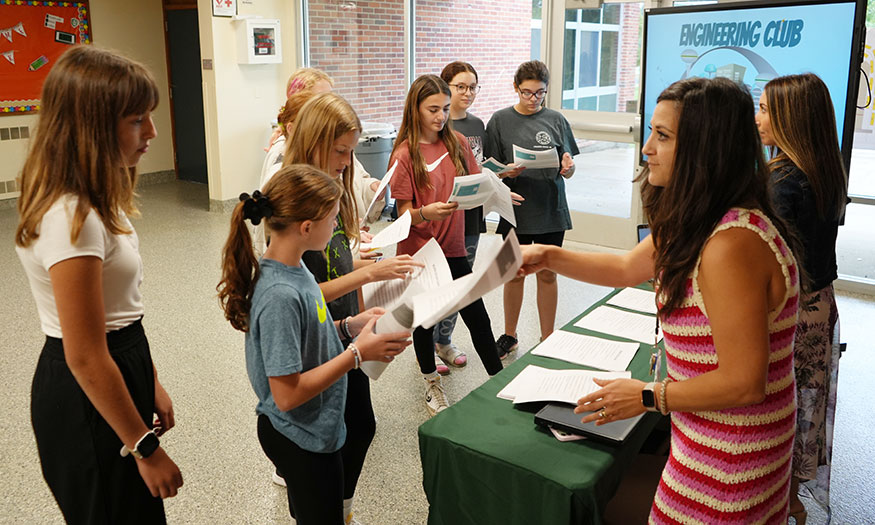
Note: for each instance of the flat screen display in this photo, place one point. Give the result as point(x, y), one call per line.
point(752, 43)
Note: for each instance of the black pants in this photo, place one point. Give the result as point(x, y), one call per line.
point(78, 450)
point(317, 484)
point(476, 319)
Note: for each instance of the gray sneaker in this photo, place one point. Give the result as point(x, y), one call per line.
point(435, 397)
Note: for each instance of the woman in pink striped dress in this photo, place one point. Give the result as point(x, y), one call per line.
point(728, 293)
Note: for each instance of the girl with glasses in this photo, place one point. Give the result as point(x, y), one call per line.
point(425, 136)
point(463, 81)
point(544, 217)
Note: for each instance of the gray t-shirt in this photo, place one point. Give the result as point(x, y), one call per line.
point(474, 130)
point(545, 209)
point(291, 331)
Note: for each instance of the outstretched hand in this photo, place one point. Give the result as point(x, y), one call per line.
point(617, 399)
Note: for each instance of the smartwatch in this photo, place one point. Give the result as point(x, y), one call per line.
point(648, 397)
point(145, 447)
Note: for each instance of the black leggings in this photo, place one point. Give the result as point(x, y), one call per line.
point(316, 483)
point(476, 319)
point(78, 450)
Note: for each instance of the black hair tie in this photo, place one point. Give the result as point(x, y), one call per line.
point(256, 207)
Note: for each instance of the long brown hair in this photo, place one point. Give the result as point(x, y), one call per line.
point(411, 129)
point(75, 149)
point(718, 165)
point(322, 120)
point(804, 127)
point(296, 193)
point(449, 72)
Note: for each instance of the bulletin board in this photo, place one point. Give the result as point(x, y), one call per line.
point(32, 37)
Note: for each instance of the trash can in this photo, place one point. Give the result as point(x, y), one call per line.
point(375, 147)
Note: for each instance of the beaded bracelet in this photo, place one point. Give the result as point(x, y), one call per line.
point(663, 406)
point(355, 353)
point(344, 328)
point(421, 216)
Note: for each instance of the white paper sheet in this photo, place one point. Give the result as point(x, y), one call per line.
point(628, 325)
point(500, 264)
point(398, 319)
point(494, 166)
point(518, 384)
point(483, 189)
point(586, 350)
point(380, 189)
point(565, 386)
point(390, 235)
point(535, 159)
point(435, 275)
point(635, 299)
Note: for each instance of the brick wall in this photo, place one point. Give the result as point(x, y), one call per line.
point(630, 49)
point(361, 45)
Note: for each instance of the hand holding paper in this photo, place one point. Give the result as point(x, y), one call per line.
point(484, 189)
point(381, 189)
point(536, 159)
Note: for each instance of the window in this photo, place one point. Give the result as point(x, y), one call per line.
point(601, 58)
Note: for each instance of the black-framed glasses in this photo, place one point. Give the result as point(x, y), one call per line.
point(526, 94)
point(463, 88)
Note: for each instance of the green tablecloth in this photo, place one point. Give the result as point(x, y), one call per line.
point(485, 462)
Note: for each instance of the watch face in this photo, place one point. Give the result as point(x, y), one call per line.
point(148, 445)
point(647, 398)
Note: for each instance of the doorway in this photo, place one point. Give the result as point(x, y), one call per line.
point(186, 95)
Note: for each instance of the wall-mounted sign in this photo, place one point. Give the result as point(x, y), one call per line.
point(224, 7)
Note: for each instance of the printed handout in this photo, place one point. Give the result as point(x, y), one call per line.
point(585, 350)
point(494, 166)
point(616, 322)
point(535, 159)
point(380, 190)
point(635, 299)
point(543, 384)
point(483, 189)
point(390, 235)
point(434, 275)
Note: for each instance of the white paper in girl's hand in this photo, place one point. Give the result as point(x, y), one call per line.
point(392, 234)
point(431, 167)
point(380, 189)
point(539, 159)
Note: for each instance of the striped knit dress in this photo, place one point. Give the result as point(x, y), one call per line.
point(731, 466)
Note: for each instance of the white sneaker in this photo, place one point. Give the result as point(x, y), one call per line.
point(435, 397)
point(277, 479)
point(350, 520)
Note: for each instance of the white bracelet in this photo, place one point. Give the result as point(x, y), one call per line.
point(344, 328)
point(355, 354)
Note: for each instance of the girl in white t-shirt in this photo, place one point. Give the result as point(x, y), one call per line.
point(95, 391)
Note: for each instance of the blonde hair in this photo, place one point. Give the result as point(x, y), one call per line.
point(296, 193)
point(306, 78)
point(75, 148)
point(322, 120)
point(411, 129)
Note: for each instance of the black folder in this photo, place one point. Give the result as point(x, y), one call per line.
point(562, 417)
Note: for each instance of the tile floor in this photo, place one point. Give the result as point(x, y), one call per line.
point(200, 361)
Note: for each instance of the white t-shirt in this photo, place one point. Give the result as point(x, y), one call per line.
point(122, 265)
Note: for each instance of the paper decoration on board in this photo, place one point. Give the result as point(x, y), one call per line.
point(18, 28)
point(51, 20)
point(10, 56)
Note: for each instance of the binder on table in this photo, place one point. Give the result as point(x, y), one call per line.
point(562, 417)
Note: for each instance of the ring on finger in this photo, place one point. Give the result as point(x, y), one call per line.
point(603, 414)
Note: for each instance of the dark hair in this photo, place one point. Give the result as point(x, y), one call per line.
point(531, 70)
point(422, 88)
point(454, 68)
point(803, 124)
point(718, 165)
point(297, 193)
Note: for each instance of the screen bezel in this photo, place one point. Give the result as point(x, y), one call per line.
point(855, 59)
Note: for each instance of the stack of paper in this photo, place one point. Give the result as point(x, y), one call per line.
point(635, 299)
point(483, 189)
point(535, 383)
point(589, 351)
point(619, 323)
